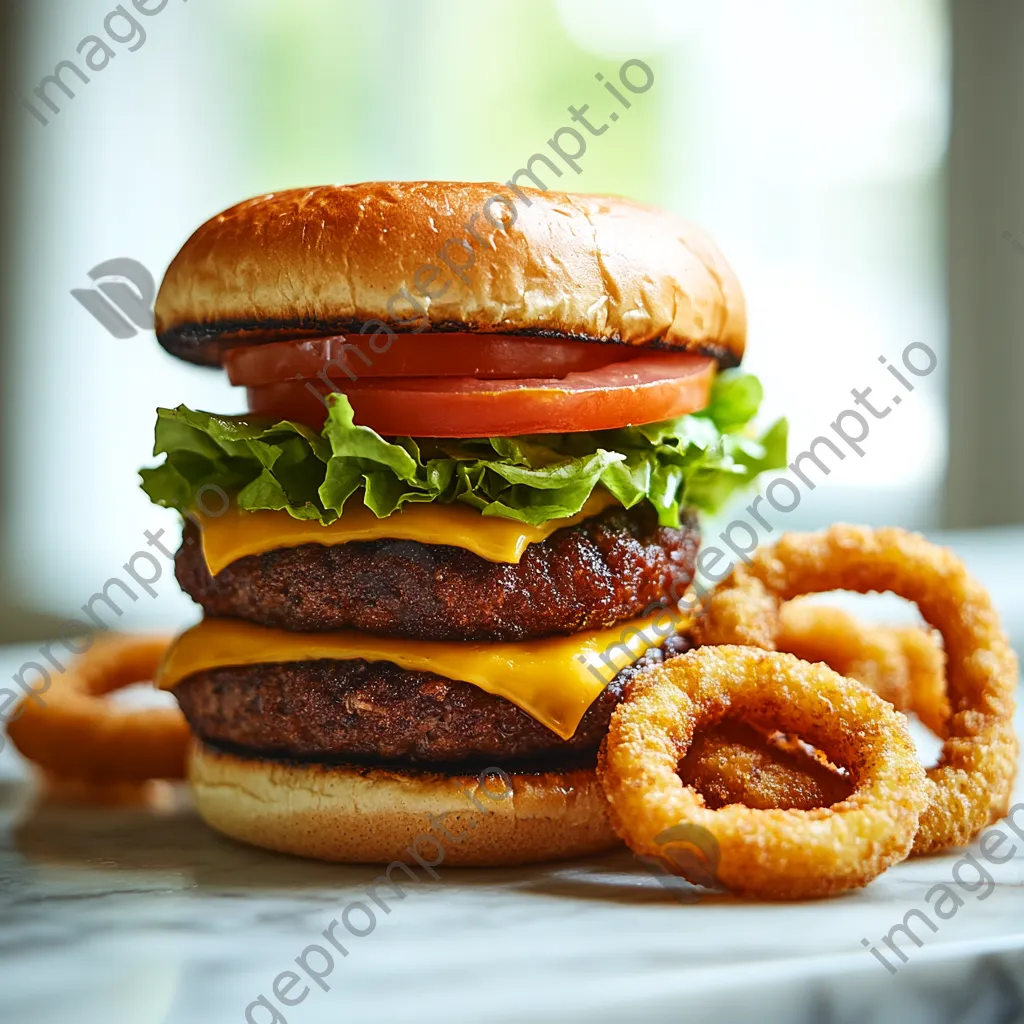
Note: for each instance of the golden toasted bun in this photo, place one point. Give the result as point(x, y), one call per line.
point(374, 815)
point(446, 256)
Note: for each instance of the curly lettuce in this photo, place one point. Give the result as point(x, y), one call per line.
point(695, 461)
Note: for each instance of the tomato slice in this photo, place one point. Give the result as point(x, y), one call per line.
point(349, 357)
point(643, 389)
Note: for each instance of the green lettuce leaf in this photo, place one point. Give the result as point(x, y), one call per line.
point(695, 461)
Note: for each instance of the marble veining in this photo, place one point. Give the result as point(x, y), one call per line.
point(142, 915)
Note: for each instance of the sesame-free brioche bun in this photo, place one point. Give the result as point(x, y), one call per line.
point(448, 256)
point(379, 815)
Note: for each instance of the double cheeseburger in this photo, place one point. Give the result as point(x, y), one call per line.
point(459, 514)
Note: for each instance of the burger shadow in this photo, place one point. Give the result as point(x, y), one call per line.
point(619, 878)
point(156, 839)
point(152, 839)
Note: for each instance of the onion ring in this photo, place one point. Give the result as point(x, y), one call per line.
point(872, 656)
point(926, 665)
point(904, 665)
point(973, 779)
point(771, 854)
point(77, 734)
point(738, 611)
point(734, 763)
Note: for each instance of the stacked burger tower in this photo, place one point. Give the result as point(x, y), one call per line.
point(460, 511)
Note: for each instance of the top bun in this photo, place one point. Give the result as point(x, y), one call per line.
point(448, 256)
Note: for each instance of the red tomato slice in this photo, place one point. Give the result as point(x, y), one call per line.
point(644, 389)
point(350, 357)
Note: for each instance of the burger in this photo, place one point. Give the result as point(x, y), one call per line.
point(459, 513)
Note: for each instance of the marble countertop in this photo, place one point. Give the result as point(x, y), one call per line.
point(139, 914)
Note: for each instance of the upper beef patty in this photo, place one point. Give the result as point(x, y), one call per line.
point(607, 569)
point(376, 712)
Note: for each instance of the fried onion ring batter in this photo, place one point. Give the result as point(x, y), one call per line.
point(926, 667)
point(76, 733)
point(973, 779)
point(734, 763)
point(904, 665)
point(773, 853)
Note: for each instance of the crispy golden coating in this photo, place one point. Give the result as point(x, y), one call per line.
point(974, 776)
point(771, 853)
point(904, 665)
point(739, 611)
point(871, 655)
point(734, 763)
point(77, 734)
point(926, 669)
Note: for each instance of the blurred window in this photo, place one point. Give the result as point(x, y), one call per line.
point(808, 138)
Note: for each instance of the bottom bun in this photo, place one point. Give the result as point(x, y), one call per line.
point(379, 815)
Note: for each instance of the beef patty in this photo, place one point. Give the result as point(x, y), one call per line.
point(376, 712)
point(607, 569)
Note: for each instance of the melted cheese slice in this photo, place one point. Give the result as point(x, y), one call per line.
point(554, 680)
point(236, 534)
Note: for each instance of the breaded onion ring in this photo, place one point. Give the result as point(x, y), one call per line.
point(771, 854)
point(904, 665)
point(974, 776)
point(926, 667)
point(738, 611)
point(872, 656)
point(77, 734)
point(734, 763)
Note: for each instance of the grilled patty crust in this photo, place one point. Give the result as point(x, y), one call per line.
point(607, 569)
point(378, 713)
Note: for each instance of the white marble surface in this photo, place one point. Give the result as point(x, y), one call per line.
point(141, 915)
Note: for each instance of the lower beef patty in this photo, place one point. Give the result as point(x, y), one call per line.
point(376, 712)
point(607, 569)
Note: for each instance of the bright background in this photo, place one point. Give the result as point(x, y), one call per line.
point(811, 139)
